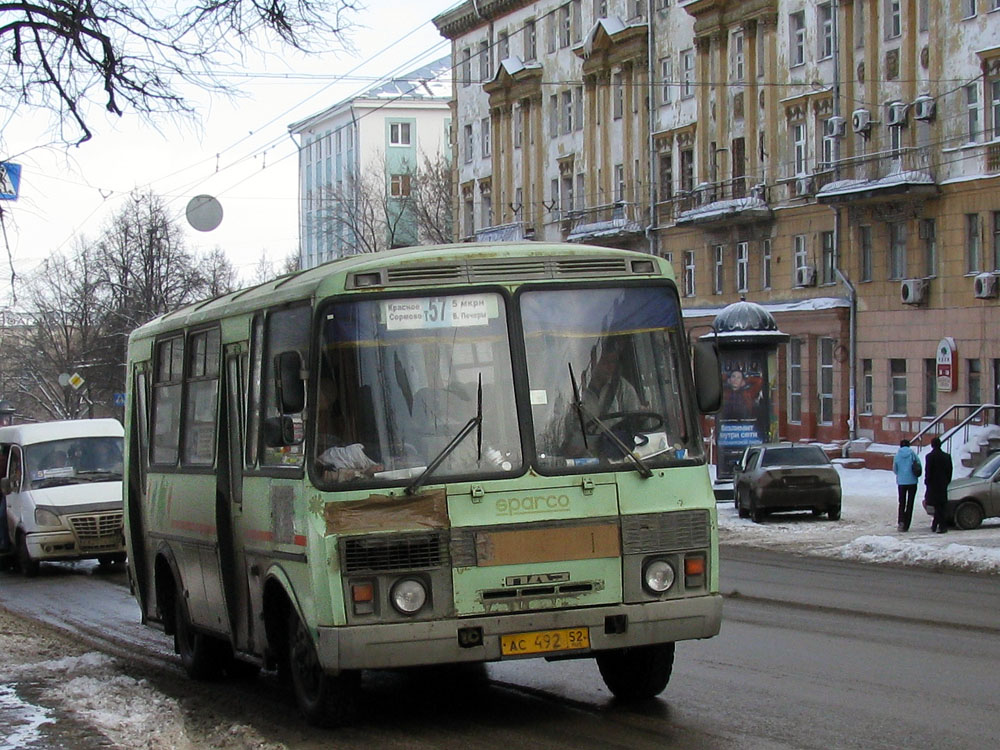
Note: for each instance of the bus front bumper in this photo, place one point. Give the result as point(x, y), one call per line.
point(437, 642)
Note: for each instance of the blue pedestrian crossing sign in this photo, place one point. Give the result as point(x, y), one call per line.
point(10, 180)
point(119, 399)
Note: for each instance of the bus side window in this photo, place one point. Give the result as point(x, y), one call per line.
point(286, 334)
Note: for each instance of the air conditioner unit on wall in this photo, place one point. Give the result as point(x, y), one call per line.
point(897, 114)
point(913, 291)
point(924, 108)
point(805, 276)
point(987, 286)
point(835, 127)
point(804, 186)
point(861, 121)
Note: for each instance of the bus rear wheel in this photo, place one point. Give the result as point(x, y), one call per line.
point(637, 673)
point(200, 654)
point(324, 700)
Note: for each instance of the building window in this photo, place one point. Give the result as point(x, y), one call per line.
point(600, 8)
point(487, 210)
point(484, 61)
point(897, 250)
point(718, 255)
point(666, 176)
point(995, 106)
point(738, 67)
point(578, 108)
point(687, 170)
point(867, 386)
point(969, 8)
point(797, 42)
point(829, 258)
point(399, 134)
point(930, 387)
point(565, 26)
point(666, 78)
point(467, 143)
point(689, 273)
point(825, 13)
point(566, 196)
point(530, 40)
point(567, 111)
point(687, 73)
point(795, 380)
point(893, 19)
point(581, 194)
point(765, 264)
point(465, 67)
point(550, 33)
point(742, 266)
point(800, 252)
point(975, 380)
point(826, 346)
point(799, 148)
point(972, 243)
point(972, 111)
point(928, 234)
point(469, 216)
point(827, 146)
point(577, 20)
point(486, 130)
point(554, 197)
point(503, 46)
point(518, 126)
point(996, 240)
point(553, 115)
point(897, 386)
point(617, 96)
point(865, 244)
point(619, 183)
point(399, 186)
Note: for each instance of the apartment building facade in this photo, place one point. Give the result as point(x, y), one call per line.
point(381, 134)
point(836, 162)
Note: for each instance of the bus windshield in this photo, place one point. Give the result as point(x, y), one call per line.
point(605, 377)
point(74, 461)
point(398, 380)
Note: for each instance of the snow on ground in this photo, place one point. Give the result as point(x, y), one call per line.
point(867, 529)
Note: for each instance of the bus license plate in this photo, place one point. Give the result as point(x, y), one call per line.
point(545, 641)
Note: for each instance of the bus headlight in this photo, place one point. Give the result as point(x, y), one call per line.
point(45, 517)
point(658, 576)
point(408, 596)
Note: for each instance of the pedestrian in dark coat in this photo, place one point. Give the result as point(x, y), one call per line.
point(937, 475)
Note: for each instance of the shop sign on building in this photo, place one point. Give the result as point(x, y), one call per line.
point(946, 365)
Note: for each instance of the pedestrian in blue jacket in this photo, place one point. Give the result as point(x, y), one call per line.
point(905, 466)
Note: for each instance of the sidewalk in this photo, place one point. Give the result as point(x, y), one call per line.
point(867, 530)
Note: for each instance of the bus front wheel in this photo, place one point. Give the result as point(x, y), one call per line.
point(637, 673)
point(325, 700)
point(199, 653)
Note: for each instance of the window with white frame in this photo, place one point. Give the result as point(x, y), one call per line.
point(897, 250)
point(484, 60)
point(797, 39)
point(893, 19)
point(995, 106)
point(972, 111)
point(824, 12)
point(765, 264)
point(718, 261)
point(687, 73)
point(617, 96)
point(795, 380)
point(399, 134)
point(550, 33)
point(465, 67)
point(799, 152)
point(567, 111)
point(566, 196)
point(666, 78)
point(619, 183)
point(800, 252)
point(687, 170)
point(565, 26)
point(467, 143)
point(577, 20)
point(503, 46)
point(973, 245)
point(897, 386)
point(578, 108)
point(486, 130)
point(827, 145)
point(742, 266)
point(530, 40)
point(825, 375)
point(399, 186)
point(738, 62)
point(829, 258)
point(518, 125)
point(487, 209)
point(689, 288)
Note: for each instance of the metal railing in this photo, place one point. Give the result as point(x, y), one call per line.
point(939, 428)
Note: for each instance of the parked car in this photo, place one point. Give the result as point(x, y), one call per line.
point(782, 476)
point(62, 492)
point(977, 496)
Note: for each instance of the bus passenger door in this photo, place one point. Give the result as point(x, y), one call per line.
point(136, 459)
point(229, 500)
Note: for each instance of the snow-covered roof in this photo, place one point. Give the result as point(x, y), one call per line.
point(721, 209)
point(846, 187)
point(802, 305)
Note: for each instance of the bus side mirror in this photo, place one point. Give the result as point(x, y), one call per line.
point(707, 377)
point(279, 432)
point(291, 390)
point(5, 486)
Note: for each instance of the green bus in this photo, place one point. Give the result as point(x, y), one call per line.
point(429, 455)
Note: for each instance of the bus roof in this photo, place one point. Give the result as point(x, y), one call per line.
point(43, 432)
point(420, 265)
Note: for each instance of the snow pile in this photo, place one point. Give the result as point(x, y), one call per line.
point(887, 549)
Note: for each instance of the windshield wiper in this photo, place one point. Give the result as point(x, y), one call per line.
point(475, 423)
point(585, 414)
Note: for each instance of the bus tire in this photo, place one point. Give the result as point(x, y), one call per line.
point(324, 700)
point(200, 653)
point(28, 565)
point(637, 673)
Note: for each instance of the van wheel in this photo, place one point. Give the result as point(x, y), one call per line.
point(968, 515)
point(200, 654)
point(637, 673)
point(25, 562)
point(324, 700)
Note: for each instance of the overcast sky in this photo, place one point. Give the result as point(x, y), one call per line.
point(239, 151)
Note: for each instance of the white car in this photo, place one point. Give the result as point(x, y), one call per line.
point(62, 491)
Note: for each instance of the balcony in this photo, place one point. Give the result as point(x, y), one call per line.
point(718, 203)
point(513, 232)
point(906, 173)
point(618, 220)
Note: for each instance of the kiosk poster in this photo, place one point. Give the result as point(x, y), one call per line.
point(745, 418)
